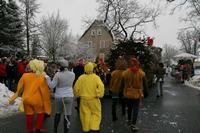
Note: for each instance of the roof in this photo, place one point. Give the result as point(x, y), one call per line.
point(185, 56)
point(97, 22)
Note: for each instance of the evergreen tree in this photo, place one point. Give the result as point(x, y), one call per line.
point(29, 9)
point(10, 25)
point(148, 56)
point(13, 26)
point(2, 22)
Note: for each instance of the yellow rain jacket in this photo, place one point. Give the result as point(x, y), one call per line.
point(89, 88)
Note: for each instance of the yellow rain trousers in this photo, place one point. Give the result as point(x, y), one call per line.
point(90, 114)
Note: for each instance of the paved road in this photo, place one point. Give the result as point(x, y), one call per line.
point(178, 111)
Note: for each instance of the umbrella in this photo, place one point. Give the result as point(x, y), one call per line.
point(185, 56)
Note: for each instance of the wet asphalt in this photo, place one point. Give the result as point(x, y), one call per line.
point(178, 111)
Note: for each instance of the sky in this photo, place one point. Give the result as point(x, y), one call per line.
point(75, 10)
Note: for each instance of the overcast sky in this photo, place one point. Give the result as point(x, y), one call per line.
point(75, 10)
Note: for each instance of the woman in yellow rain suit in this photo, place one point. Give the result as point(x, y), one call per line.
point(89, 88)
point(36, 95)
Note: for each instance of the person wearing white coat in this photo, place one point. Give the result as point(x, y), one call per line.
point(63, 82)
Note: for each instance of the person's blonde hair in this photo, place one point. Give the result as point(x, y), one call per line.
point(37, 66)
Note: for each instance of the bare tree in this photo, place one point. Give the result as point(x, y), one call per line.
point(35, 46)
point(192, 7)
point(86, 51)
point(69, 49)
point(54, 35)
point(168, 53)
point(126, 16)
point(29, 9)
point(190, 35)
point(189, 41)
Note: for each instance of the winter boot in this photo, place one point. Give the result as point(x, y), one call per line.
point(38, 131)
point(56, 122)
point(66, 123)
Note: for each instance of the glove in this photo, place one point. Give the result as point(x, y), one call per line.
point(10, 101)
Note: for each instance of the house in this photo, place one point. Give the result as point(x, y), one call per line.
point(96, 40)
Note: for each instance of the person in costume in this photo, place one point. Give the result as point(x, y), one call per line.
point(101, 69)
point(134, 82)
point(89, 88)
point(78, 70)
point(35, 95)
point(160, 74)
point(116, 85)
point(62, 82)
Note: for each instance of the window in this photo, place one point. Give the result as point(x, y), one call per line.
point(102, 44)
point(99, 32)
point(89, 43)
point(93, 32)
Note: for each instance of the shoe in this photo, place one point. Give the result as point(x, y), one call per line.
point(134, 128)
point(38, 131)
point(129, 122)
point(41, 130)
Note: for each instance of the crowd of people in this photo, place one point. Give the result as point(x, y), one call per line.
point(85, 81)
point(183, 71)
point(11, 70)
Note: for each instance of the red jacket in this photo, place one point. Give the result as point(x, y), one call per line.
point(3, 72)
point(21, 68)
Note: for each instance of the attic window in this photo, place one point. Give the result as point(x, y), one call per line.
point(99, 32)
point(93, 32)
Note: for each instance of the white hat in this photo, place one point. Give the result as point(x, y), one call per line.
point(64, 63)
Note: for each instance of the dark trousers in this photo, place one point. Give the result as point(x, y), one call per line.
point(114, 105)
point(3, 80)
point(57, 120)
point(159, 88)
point(11, 84)
point(133, 109)
point(123, 105)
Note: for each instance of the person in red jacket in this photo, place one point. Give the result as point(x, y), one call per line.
point(3, 73)
point(21, 68)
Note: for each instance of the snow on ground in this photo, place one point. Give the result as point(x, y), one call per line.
point(5, 109)
point(194, 82)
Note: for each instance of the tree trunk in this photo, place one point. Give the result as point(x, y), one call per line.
point(27, 30)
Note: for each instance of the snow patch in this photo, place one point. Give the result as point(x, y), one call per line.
point(5, 109)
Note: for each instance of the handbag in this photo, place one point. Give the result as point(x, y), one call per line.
point(132, 93)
